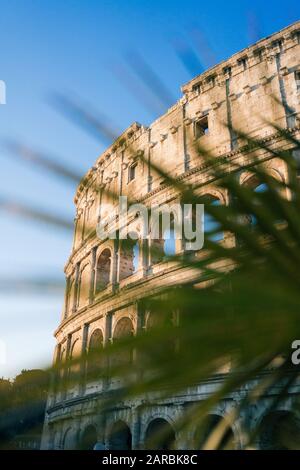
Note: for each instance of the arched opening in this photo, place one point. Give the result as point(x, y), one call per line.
point(103, 270)
point(94, 359)
point(261, 192)
point(88, 438)
point(214, 433)
point(119, 437)
point(122, 330)
point(129, 256)
point(160, 435)
point(280, 430)
point(212, 228)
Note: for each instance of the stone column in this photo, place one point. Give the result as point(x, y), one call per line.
point(106, 341)
point(136, 428)
point(114, 271)
point(144, 256)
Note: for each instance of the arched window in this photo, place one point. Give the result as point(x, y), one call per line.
point(88, 438)
point(160, 435)
point(103, 270)
point(123, 329)
point(214, 433)
point(84, 287)
point(119, 437)
point(94, 359)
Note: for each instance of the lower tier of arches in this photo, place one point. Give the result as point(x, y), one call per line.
point(154, 426)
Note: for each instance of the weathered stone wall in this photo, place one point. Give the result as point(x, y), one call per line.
point(237, 94)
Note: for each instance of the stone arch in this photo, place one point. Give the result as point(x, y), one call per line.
point(71, 296)
point(78, 226)
point(214, 433)
point(279, 430)
point(159, 435)
point(103, 269)
point(94, 357)
point(88, 438)
point(119, 436)
point(251, 180)
point(123, 329)
point(90, 208)
point(169, 238)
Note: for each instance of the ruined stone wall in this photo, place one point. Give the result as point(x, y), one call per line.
point(236, 95)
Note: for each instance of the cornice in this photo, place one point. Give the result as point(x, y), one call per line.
point(267, 46)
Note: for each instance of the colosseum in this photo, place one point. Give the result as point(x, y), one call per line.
point(104, 282)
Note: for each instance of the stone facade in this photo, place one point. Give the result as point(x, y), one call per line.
point(105, 281)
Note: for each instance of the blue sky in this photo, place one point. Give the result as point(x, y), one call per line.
point(75, 47)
